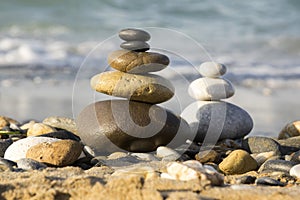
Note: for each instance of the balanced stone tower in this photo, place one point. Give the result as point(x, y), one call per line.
point(210, 118)
point(134, 124)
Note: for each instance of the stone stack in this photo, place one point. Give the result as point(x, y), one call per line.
point(134, 124)
point(210, 118)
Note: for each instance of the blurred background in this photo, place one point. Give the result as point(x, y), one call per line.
point(46, 59)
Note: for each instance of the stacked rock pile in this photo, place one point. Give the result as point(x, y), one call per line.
point(134, 124)
point(209, 117)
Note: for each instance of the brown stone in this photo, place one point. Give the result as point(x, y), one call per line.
point(238, 162)
point(6, 121)
point(137, 62)
point(60, 153)
point(208, 156)
point(290, 130)
point(118, 125)
point(39, 129)
point(148, 88)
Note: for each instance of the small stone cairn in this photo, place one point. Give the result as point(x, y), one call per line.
point(135, 124)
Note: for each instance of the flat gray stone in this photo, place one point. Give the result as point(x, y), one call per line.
point(261, 144)
point(290, 145)
point(30, 164)
point(268, 181)
point(212, 69)
point(135, 46)
point(276, 166)
point(217, 120)
point(131, 34)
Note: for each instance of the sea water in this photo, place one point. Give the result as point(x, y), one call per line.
point(52, 43)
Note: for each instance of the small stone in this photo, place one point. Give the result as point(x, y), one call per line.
point(276, 165)
point(130, 126)
point(117, 155)
point(211, 89)
point(135, 46)
point(59, 153)
point(6, 121)
point(178, 171)
point(148, 88)
point(30, 164)
point(290, 145)
point(64, 123)
point(146, 172)
point(165, 151)
point(131, 34)
point(6, 165)
point(145, 156)
point(62, 134)
point(246, 180)
point(268, 181)
point(212, 69)
point(4, 144)
point(295, 157)
point(18, 149)
point(217, 120)
point(238, 162)
point(208, 156)
point(137, 62)
point(119, 162)
point(39, 129)
point(88, 151)
point(262, 157)
point(28, 125)
point(295, 171)
point(261, 144)
point(290, 130)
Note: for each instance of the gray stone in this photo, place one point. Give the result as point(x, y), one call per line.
point(135, 46)
point(217, 120)
point(118, 125)
point(4, 144)
point(145, 156)
point(295, 157)
point(211, 89)
point(6, 165)
point(62, 134)
point(212, 69)
point(30, 164)
point(276, 165)
point(131, 34)
point(246, 180)
point(289, 145)
point(268, 181)
point(61, 123)
point(88, 151)
point(261, 144)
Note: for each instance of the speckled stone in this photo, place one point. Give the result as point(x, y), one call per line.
point(208, 156)
point(148, 88)
point(238, 162)
point(212, 69)
point(137, 62)
point(276, 165)
point(64, 123)
point(290, 130)
point(261, 144)
point(135, 46)
point(289, 145)
point(131, 34)
point(125, 126)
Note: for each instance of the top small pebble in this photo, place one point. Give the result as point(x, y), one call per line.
point(212, 69)
point(132, 34)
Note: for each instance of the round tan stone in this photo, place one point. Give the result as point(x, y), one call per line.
point(290, 130)
point(238, 162)
point(60, 153)
point(148, 88)
point(137, 62)
point(39, 129)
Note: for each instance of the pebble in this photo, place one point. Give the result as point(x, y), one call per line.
point(261, 144)
point(210, 89)
point(289, 145)
point(276, 165)
point(238, 162)
point(262, 157)
point(268, 181)
point(119, 130)
point(223, 121)
point(119, 162)
point(64, 123)
point(135, 46)
point(137, 62)
point(39, 129)
point(212, 69)
point(28, 125)
point(30, 164)
point(208, 156)
point(60, 153)
point(18, 149)
point(295, 157)
point(148, 88)
point(290, 130)
point(117, 155)
point(295, 171)
point(162, 152)
point(6, 121)
point(7, 165)
point(4, 144)
point(62, 134)
point(88, 151)
point(145, 156)
point(146, 172)
point(246, 180)
point(131, 34)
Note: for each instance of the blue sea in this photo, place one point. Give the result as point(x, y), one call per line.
point(64, 40)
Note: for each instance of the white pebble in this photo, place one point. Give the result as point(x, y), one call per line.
point(212, 69)
point(165, 151)
point(295, 171)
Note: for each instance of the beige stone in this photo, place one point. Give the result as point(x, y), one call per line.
point(290, 130)
point(62, 123)
point(148, 88)
point(60, 153)
point(39, 129)
point(208, 156)
point(28, 125)
point(238, 162)
point(137, 62)
point(6, 121)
